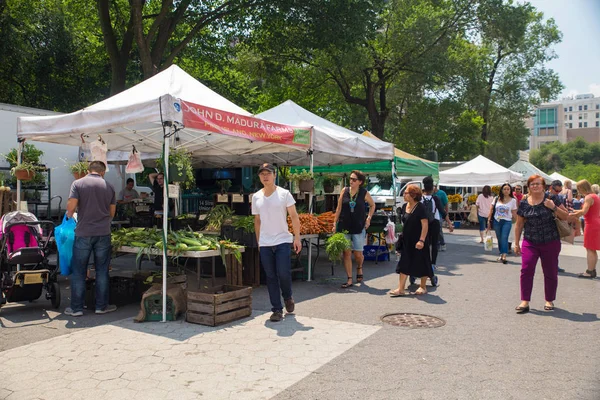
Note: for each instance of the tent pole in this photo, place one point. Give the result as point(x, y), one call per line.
point(165, 225)
point(394, 190)
point(19, 155)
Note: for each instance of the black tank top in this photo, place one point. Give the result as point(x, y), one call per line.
point(353, 221)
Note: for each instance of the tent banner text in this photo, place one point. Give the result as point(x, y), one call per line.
point(210, 119)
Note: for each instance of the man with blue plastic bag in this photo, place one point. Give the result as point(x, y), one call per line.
point(94, 200)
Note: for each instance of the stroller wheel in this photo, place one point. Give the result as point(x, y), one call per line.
point(54, 292)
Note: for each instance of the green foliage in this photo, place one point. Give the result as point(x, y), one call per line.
point(303, 175)
point(330, 180)
point(336, 245)
point(580, 171)
point(30, 154)
point(245, 223)
point(181, 160)
point(558, 157)
point(80, 167)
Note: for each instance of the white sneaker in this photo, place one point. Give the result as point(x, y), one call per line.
point(69, 311)
point(107, 309)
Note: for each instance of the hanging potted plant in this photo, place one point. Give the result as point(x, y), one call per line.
point(79, 169)
point(305, 180)
point(329, 183)
point(25, 171)
point(30, 162)
point(180, 167)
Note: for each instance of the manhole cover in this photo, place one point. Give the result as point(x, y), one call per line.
point(409, 320)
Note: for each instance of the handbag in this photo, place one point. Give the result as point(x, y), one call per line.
point(564, 230)
point(492, 212)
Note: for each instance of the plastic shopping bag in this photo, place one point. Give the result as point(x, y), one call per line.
point(488, 243)
point(134, 165)
point(98, 149)
point(65, 238)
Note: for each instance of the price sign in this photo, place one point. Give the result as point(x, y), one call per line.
point(173, 191)
point(237, 198)
point(222, 198)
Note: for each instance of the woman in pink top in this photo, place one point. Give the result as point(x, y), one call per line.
point(591, 234)
point(484, 205)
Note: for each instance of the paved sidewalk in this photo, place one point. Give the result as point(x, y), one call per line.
point(252, 359)
point(336, 346)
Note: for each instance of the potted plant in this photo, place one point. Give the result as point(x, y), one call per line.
point(25, 171)
point(79, 169)
point(225, 185)
point(329, 183)
point(305, 179)
point(180, 167)
point(454, 200)
point(385, 180)
point(30, 162)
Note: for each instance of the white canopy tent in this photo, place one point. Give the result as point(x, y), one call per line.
point(562, 178)
point(480, 171)
point(527, 169)
point(219, 133)
point(332, 144)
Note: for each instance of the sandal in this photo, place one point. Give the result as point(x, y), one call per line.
point(504, 259)
point(397, 293)
point(591, 274)
point(549, 308)
point(347, 285)
point(420, 291)
point(522, 310)
point(359, 277)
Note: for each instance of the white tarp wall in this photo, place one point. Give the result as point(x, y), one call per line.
point(562, 178)
point(480, 171)
point(527, 169)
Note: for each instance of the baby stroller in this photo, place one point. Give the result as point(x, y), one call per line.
point(24, 267)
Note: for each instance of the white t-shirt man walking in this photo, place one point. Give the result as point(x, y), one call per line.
point(270, 207)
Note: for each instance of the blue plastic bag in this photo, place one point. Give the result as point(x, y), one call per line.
point(65, 238)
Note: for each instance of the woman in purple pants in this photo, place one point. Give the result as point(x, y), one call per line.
point(535, 219)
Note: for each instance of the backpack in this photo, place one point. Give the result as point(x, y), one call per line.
point(430, 208)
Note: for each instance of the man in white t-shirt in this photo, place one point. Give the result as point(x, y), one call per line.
point(270, 207)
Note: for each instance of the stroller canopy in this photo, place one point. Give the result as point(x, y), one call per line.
point(17, 216)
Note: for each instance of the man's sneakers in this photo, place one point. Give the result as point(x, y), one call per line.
point(107, 309)
point(443, 247)
point(69, 311)
point(289, 305)
point(276, 316)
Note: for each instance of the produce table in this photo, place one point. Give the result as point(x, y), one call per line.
point(189, 254)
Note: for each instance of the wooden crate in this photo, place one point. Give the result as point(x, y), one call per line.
point(251, 267)
point(233, 270)
point(219, 305)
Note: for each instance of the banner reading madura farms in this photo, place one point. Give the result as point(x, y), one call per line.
point(210, 119)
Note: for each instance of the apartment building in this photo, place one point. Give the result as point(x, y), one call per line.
point(565, 121)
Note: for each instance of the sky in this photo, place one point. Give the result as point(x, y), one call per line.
point(578, 62)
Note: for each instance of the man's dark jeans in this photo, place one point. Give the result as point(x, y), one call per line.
point(276, 261)
point(83, 247)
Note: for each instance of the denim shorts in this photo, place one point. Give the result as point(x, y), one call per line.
point(358, 240)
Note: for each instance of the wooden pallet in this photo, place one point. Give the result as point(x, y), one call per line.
point(219, 305)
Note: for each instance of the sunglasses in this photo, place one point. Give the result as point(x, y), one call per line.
point(353, 179)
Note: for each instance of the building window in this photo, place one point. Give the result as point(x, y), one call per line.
point(580, 124)
point(585, 107)
point(584, 115)
point(565, 109)
point(570, 108)
point(597, 106)
point(580, 108)
point(571, 117)
point(598, 115)
point(585, 124)
point(570, 126)
point(580, 116)
point(597, 123)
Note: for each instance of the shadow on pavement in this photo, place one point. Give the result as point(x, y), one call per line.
point(564, 314)
point(288, 326)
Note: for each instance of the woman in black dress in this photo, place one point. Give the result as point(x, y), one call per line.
point(414, 251)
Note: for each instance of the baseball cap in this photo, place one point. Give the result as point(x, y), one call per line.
point(266, 167)
point(557, 183)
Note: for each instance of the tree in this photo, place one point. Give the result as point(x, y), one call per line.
point(556, 156)
point(580, 171)
point(443, 126)
point(45, 61)
point(389, 43)
point(508, 76)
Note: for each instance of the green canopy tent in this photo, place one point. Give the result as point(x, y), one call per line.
point(405, 165)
